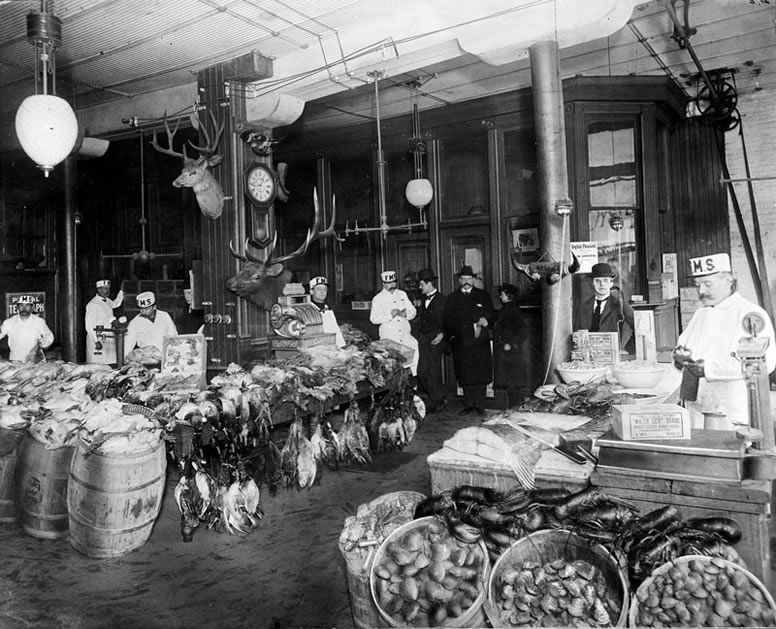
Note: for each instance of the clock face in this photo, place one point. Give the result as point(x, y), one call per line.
point(260, 184)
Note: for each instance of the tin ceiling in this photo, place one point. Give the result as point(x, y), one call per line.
point(122, 58)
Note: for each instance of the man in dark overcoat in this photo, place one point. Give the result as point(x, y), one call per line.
point(605, 311)
point(428, 329)
point(468, 315)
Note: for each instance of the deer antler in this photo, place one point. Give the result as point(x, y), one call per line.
point(170, 136)
point(210, 147)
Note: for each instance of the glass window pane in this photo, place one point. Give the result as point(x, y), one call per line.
point(614, 231)
point(611, 160)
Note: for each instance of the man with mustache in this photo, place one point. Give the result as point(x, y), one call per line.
point(704, 348)
point(28, 335)
point(150, 325)
point(467, 318)
point(393, 310)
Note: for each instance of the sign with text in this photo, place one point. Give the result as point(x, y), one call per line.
point(587, 254)
point(38, 303)
point(604, 347)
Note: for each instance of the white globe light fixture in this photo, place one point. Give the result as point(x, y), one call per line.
point(47, 129)
point(46, 126)
point(419, 192)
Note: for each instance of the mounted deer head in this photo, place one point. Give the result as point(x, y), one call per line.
point(261, 280)
point(195, 173)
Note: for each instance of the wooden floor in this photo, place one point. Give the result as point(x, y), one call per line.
point(288, 573)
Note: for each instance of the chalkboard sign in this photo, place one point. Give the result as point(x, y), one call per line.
point(38, 304)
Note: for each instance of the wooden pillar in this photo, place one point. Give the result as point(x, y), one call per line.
point(553, 188)
point(70, 319)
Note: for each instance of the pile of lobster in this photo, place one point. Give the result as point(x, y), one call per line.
point(646, 541)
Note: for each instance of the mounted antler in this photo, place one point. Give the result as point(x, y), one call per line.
point(262, 280)
point(195, 173)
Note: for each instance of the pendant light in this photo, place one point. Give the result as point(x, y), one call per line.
point(46, 125)
point(418, 191)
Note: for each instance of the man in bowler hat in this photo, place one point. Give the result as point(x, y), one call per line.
point(604, 311)
point(467, 317)
point(428, 329)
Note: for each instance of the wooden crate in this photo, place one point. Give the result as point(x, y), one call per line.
point(449, 470)
point(747, 502)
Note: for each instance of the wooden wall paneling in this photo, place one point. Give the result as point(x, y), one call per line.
point(224, 339)
point(648, 233)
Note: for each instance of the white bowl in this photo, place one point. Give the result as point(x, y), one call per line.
point(583, 375)
point(638, 377)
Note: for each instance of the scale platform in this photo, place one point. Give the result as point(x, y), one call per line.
point(709, 455)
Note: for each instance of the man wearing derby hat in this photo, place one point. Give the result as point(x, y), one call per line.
point(467, 317)
point(428, 329)
point(28, 335)
point(508, 338)
point(604, 311)
point(149, 327)
point(393, 310)
point(319, 291)
point(704, 349)
point(99, 311)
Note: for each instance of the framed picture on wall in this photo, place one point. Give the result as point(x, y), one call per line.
point(525, 240)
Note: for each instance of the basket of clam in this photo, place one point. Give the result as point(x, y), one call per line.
point(555, 578)
point(425, 576)
point(701, 591)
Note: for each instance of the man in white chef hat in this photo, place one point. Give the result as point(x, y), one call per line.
point(393, 310)
point(319, 291)
point(706, 348)
point(149, 326)
point(99, 312)
point(28, 335)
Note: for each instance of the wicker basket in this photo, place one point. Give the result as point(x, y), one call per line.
point(474, 616)
point(358, 559)
point(549, 545)
point(724, 564)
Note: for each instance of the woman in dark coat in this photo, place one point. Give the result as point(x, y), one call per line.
point(508, 337)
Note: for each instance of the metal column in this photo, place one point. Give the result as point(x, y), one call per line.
point(553, 187)
point(69, 317)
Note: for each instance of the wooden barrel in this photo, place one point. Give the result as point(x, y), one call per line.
point(9, 440)
point(114, 499)
point(41, 488)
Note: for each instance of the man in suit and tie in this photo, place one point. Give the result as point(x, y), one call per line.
point(605, 311)
point(428, 330)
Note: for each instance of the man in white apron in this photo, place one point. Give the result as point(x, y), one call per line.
point(150, 326)
point(28, 335)
point(99, 311)
point(707, 346)
point(319, 291)
point(393, 310)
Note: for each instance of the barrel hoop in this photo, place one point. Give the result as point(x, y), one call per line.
point(93, 487)
point(88, 525)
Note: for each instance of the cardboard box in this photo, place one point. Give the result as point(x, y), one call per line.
point(634, 422)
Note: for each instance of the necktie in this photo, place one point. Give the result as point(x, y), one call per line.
point(595, 322)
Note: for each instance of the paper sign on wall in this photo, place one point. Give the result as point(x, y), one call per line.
point(670, 276)
point(587, 254)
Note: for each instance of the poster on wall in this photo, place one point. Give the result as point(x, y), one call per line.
point(38, 304)
point(587, 254)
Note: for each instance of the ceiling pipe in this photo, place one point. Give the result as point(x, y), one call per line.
point(685, 43)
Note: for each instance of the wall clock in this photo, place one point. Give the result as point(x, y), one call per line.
point(260, 184)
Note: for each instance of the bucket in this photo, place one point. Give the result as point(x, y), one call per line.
point(41, 488)
point(474, 615)
point(547, 546)
point(114, 499)
point(9, 440)
point(395, 508)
